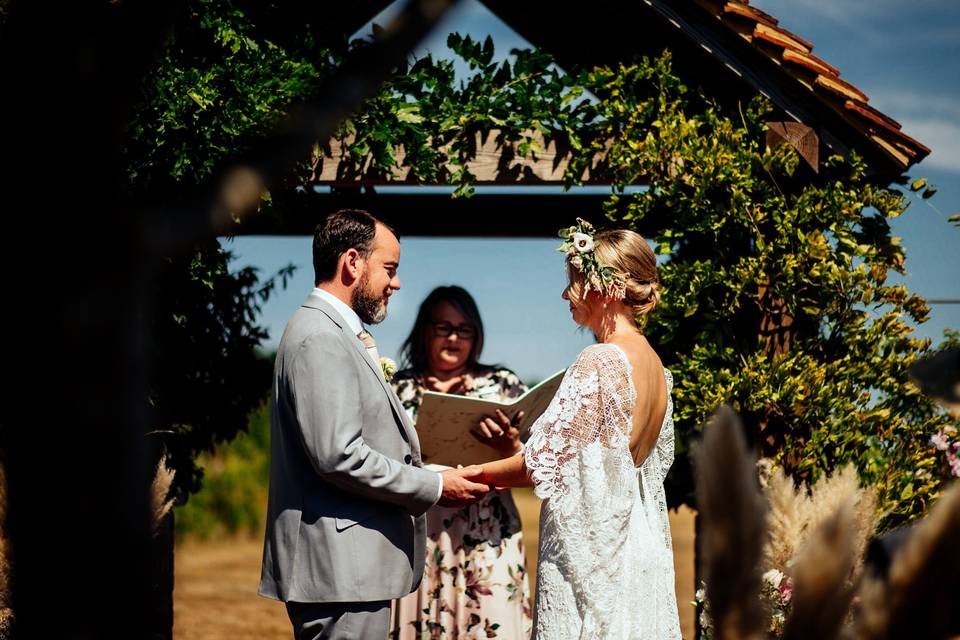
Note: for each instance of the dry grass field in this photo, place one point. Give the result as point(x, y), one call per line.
point(216, 583)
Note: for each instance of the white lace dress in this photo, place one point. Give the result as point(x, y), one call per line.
point(605, 568)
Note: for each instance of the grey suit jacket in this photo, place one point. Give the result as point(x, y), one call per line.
point(347, 494)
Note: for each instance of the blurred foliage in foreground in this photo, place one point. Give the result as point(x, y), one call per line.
point(234, 495)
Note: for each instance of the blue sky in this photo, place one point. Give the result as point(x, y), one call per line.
point(903, 54)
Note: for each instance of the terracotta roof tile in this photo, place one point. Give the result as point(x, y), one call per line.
point(904, 158)
point(751, 13)
point(901, 139)
point(871, 114)
point(841, 87)
point(779, 37)
point(791, 36)
point(810, 61)
point(781, 46)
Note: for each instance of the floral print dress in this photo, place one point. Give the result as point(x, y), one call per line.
point(475, 581)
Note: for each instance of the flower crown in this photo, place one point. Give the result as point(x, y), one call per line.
point(578, 245)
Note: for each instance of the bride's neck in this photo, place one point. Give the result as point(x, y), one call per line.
point(614, 323)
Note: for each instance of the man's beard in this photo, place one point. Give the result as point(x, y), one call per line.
point(371, 307)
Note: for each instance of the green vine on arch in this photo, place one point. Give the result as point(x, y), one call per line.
point(778, 295)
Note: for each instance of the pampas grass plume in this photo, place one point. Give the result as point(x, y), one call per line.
point(733, 513)
point(919, 597)
point(160, 501)
point(821, 591)
point(786, 520)
point(795, 513)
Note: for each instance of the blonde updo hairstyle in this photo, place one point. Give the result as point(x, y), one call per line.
point(630, 256)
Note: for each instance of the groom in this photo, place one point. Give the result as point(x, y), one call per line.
point(345, 525)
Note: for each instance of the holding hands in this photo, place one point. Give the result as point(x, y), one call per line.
point(465, 485)
point(462, 486)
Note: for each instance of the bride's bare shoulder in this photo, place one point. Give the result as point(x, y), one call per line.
point(644, 360)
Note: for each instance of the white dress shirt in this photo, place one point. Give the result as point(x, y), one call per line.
point(356, 326)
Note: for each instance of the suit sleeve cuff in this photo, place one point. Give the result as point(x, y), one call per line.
point(439, 488)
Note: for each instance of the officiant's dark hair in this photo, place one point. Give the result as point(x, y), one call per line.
point(340, 231)
point(414, 349)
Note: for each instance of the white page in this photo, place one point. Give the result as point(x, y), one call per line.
point(445, 420)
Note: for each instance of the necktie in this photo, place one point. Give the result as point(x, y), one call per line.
point(370, 344)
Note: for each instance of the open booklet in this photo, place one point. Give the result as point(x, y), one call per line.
point(445, 420)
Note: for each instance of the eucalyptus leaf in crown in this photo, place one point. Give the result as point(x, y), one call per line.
point(578, 245)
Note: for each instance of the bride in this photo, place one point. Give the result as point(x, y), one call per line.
point(598, 455)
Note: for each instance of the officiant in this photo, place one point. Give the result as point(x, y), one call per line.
point(475, 555)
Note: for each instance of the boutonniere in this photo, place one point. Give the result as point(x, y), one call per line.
point(389, 368)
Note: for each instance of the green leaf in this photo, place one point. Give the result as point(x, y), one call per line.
point(409, 113)
point(198, 99)
point(487, 54)
point(571, 95)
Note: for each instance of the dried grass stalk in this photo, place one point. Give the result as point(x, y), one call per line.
point(919, 597)
point(822, 591)
point(786, 520)
point(843, 490)
point(160, 499)
point(794, 513)
point(733, 512)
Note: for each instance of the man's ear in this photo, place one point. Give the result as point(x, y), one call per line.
point(352, 264)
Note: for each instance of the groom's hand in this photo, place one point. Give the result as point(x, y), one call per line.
point(460, 488)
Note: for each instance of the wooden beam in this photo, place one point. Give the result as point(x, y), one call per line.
point(494, 161)
point(531, 215)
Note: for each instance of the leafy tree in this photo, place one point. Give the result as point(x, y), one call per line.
point(227, 75)
point(779, 297)
point(778, 290)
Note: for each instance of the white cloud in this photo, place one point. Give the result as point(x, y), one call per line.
point(916, 105)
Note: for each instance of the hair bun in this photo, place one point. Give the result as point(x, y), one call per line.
point(643, 296)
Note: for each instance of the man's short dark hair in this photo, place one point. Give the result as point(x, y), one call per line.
point(346, 229)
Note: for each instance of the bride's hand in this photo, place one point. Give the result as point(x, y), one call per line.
point(499, 432)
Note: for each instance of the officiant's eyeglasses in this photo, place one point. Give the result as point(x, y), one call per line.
point(444, 329)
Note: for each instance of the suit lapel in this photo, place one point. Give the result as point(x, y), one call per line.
point(315, 302)
point(410, 434)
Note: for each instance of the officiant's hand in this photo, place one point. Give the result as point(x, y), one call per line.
point(460, 487)
point(499, 432)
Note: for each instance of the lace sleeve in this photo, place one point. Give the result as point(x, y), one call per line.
point(593, 397)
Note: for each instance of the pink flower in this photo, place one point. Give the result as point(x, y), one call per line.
point(786, 589)
point(940, 441)
point(954, 462)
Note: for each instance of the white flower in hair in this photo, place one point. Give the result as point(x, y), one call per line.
point(582, 242)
